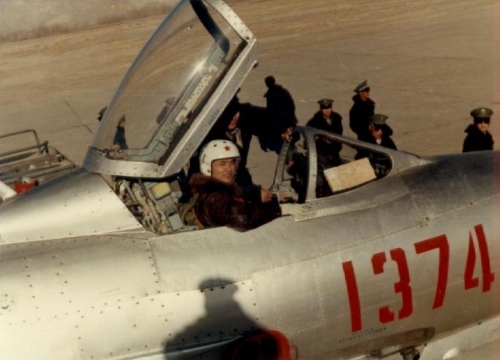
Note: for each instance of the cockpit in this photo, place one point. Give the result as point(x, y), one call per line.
point(316, 164)
point(172, 96)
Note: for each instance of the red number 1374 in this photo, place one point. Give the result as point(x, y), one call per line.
point(402, 286)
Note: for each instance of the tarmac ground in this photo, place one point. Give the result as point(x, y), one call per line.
point(428, 62)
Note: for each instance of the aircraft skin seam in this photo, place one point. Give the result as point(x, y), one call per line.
point(427, 219)
point(155, 265)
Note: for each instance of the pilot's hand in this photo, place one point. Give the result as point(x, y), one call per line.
point(287, 196)
point(265, 195)
point(298, 211)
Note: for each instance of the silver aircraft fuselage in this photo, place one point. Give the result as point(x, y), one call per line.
point(392, 265)
point(96, 265)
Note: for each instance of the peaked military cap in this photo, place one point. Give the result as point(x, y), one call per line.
point(378, 119)
point(362, 87)
point(325, 103)
point(481, 112)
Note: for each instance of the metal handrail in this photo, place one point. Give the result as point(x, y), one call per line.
point(11, 178)
point(42, 147)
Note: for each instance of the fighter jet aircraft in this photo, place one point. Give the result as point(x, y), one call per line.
point(394, 253)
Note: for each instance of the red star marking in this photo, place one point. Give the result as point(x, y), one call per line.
point(226, 148)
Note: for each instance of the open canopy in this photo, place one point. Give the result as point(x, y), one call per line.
point(174, 91)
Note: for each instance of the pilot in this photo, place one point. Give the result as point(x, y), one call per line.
point(361, 111)
point(478, 137)
point(239, 122)
point(219, 201)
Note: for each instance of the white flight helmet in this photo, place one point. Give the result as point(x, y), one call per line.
point(215, 150)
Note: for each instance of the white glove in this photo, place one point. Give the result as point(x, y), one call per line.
point(296, 210)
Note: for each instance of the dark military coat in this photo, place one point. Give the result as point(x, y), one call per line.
point(476, 140)
point(359, 116)
point(280, 109)
point(221, 204)
point(320, 122)
point(386, 138)
point(381, 163)
point(327, 151)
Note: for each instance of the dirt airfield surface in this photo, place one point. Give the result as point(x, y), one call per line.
point(428, 62)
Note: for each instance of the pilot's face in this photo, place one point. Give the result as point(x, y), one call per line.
point(224, 170)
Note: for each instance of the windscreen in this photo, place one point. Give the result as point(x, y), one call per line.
point(168, 84)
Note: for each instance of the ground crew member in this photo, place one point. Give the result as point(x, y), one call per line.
point(119, 139)
point(361, 111)
point(325, 118)
point(380, 134)
point(281, 116)
point(478, 137)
